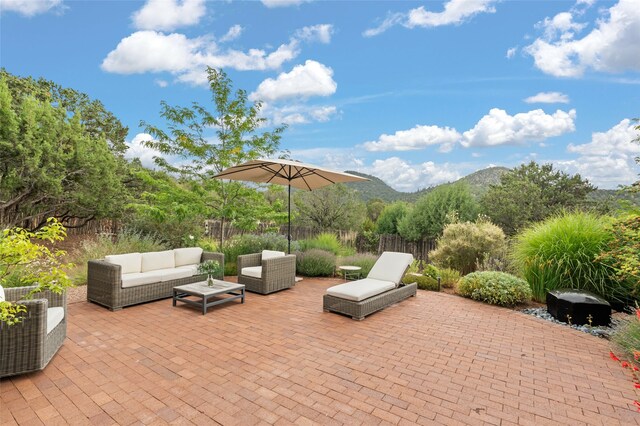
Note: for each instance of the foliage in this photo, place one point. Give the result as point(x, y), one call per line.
point(425, 282)
point(622, 251)
point(363, 260)
point(330, 208)
point(237, 123)
point(103, 245)
point(326, 241)
point(375, 206)
point(464, 244)
point(39, 265)
point(627, 336)
point(211, 267)
point(432, 212)
point(495, 288)
point(448, 277)
point(530, 193)
point(57, 162)
point(315, 263)
point(247, 244)
point(387, 222)
point(500, 260)
point(561, 253)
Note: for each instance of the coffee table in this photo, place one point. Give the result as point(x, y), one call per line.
point(206, 296)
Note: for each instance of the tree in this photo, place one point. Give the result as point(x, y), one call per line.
point(51, 165)
point(330, 208)
point(236, 123)
point(531, 193)
point(434, 210)
point(375, 206)
point(387, 222)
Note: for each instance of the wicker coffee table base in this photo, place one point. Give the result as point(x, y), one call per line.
point(359, 310)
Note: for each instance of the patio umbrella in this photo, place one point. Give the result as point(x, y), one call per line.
point(286, 172)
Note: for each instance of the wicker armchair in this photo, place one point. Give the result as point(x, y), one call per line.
point(278, 273)
point(26, 346)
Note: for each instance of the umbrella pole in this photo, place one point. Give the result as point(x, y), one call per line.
point(289, 228)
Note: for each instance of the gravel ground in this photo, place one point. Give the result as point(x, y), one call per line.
point(599, 331)
point(77, 294)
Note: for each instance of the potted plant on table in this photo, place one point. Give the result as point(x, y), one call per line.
point(212, 268)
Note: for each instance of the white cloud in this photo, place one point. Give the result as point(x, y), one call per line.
point(611, 46)
point(161, 83)
point(608, 160)
point(455, 12)
point(298, 113)
point(233, 33)
point(511, 52)
point(303, 81)
point(31, 7)
point(283, 3)
point(320, 33)
point(418, 137)
point(500, 128)
point(168, 14)
point(548, 98)
point(404, 176)
point(143, 153)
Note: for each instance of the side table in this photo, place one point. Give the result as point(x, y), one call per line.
point(349, 271)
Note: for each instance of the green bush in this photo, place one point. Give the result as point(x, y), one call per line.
point(315, 263)
point(627, 336)
point(247, 244)
point(103, 245)
point(495, 288)
point(561, 253)
point(328, 242)
point(448, 277)
point(363, 260)
point(424, 282)
point(463, 244)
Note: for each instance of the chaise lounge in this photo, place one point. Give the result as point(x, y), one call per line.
point(380, 289)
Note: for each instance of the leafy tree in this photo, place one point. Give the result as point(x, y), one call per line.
point(330, 208)
point(434, 210)
point(375, 206)
point(236, 125)
point(51, 165)
point(387, 222)
point(531, 193)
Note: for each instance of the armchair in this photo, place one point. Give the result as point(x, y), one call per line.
point(267, 272)
point(30, 345)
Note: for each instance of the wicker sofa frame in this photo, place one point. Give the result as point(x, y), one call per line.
point(26, 346)
point(359, 310)
point(278, 273)
point(104, 284)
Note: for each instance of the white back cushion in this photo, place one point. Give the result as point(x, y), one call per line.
point(390, 266)
point(54, 316)
point(187, 256)
point(1, 294)
point(270, 254)
point(158, 260)
point(130, 263)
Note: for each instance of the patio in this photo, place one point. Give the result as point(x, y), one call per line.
point(279, 359)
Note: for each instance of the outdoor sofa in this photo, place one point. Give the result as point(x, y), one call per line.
point(30, 344)
point(383, 287)
point(128, 279)
point(267, 272)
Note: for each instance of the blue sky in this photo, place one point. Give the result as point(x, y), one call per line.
point(416, 93)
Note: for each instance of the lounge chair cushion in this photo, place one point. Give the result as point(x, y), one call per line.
point(187, 256)
point(129, 263)
point(140, 278)
point(54, 316)
point(361, 289)
point(252, 271)
point(390, 266)
point(154, 260)
point(1, 294)
point(270, 254)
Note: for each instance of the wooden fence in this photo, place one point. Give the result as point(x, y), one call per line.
point(419, 249)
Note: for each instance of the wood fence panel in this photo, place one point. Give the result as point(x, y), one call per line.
point(419, 249)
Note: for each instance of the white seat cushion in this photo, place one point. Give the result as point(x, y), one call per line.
point(252, 271)
point(155, 260)
point(54, 316)
point(187, 256)
point(270, 254)
point(361, 289)
point(193, 269)
point(129, 263)
point(174, 273)
point(390, 266)
point(141, 278)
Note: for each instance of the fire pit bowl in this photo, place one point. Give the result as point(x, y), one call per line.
point(578, 307)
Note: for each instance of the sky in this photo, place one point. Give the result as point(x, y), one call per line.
point(415, 93)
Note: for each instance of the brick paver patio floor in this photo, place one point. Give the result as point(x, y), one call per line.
point(278, 359)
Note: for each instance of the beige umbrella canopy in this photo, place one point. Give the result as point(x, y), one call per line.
point(287, 172)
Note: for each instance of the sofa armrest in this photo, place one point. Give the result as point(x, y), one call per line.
point(206, 255)
point(103, 275)
point(247, 260)
point(283, 266)
point(34, 320)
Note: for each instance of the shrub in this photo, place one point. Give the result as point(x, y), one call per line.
point(627, 336)
point(247, 244)
point(561, 253)
point(496, 288)
point(424, 282)
point(499, 260)
point(103, 245)
point(448, 277)
point(328, 242)
point(463, 244)
point(363, 260)
point(315, 263)
point(621, 252)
